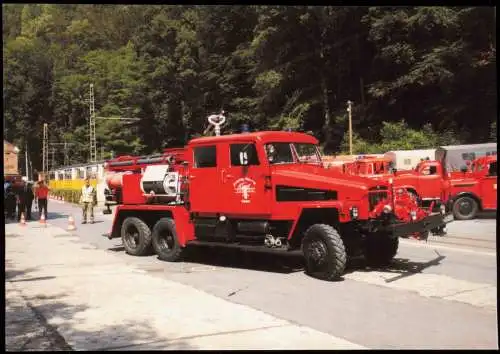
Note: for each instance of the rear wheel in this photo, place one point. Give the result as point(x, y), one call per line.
point(136, 237)
point(165, 241)
point(379, 251)
point(324, 252)
point(465, 208)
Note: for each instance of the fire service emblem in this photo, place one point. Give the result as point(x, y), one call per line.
point(244, 186)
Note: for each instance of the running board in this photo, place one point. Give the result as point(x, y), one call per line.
point(245, 247)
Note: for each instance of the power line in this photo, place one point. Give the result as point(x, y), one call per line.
point(119, 118)
point(66, 156)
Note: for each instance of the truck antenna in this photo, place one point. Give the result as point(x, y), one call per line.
point(217, 120)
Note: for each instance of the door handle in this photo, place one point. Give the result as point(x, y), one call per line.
point(225, 176)
point(192, 177)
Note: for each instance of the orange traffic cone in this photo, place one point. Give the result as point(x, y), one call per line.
point(23, 221)
point(42, 219)
point(71, 224)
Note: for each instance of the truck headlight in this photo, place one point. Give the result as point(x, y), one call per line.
point(443, 209)
point(413, 215)
point(387, 209)
point(354, 212)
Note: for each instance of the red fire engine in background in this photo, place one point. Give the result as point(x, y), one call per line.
point(465, 193)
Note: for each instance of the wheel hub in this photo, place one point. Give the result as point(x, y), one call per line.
point(465, 207)
point(318, 252)
point(167, 241)
point(132, 237)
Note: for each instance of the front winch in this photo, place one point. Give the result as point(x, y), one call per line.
point(271, 241)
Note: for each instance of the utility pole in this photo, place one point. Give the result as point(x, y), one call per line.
point(93, 142)
point(66, 157)
point(45, 149)
point(53, 163)
point(349, 110)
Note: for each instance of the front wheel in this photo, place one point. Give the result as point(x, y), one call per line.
point(465, 208)
point(165, 241)
point(324, 252)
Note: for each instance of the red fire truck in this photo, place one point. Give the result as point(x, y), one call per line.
point(465, 193)
point(265, 191)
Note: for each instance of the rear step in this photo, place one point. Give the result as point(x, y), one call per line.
point(245, 247)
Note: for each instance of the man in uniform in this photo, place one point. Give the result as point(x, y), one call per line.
point(87, 201)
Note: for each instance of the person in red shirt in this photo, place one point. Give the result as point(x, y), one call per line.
point(42, 191)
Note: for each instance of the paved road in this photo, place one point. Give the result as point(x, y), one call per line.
point(440, 294)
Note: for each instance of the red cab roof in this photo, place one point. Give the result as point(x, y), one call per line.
point(265, 137)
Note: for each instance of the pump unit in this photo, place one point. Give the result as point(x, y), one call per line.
point(157, 180)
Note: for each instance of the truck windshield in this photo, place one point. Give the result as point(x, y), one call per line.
point(278, 153)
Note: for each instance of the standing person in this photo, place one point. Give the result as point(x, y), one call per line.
point(87, 201)
point(28, 199)
point(42, 191)
point(10, 202)
point(21, 201)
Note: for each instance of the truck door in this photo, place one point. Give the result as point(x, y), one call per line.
point(430, 181)
point(489, 187)
point(242, 178)
point(204, 179)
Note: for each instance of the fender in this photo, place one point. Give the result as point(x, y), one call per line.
point(310, 215)
point(453, 198)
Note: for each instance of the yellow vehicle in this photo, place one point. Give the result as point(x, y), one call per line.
point(72, 178)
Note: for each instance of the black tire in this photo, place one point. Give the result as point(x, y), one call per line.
point(465, 208)
point(165, 241)
point(380, 250)
point(324, 252)
point(136, 237)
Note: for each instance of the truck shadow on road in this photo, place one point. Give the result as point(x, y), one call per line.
point(490, 214)
point(228, 258)
point(287, 264)
point(401, 267)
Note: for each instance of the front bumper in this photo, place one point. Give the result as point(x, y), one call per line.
point(391, 227)
point(424, 225)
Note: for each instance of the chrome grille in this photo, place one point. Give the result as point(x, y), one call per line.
point(377, 194)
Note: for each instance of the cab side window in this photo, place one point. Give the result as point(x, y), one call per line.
point(492, 170)
point(205, 156)
point(433, 170)
point(244, 155)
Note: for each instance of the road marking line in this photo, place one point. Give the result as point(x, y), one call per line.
point(440, 246)
point(433, 285)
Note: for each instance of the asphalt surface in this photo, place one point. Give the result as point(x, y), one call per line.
point(436, 295)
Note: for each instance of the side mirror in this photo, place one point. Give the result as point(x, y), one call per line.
point(463, 169)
